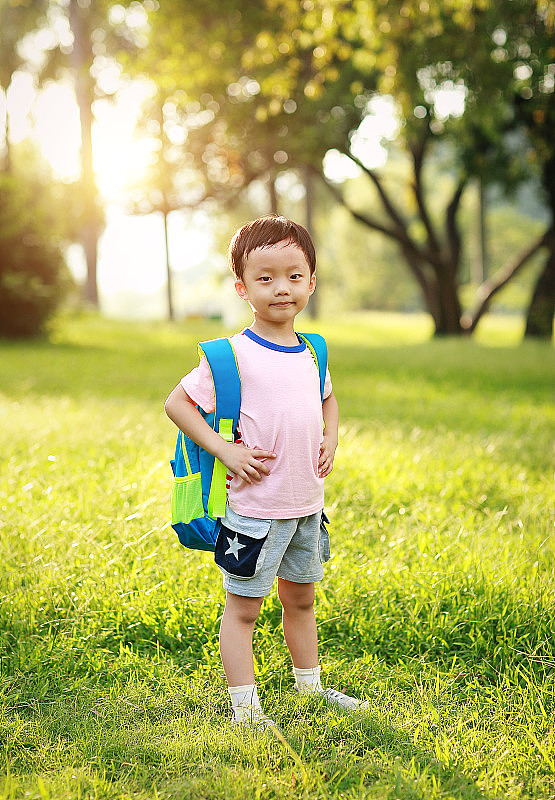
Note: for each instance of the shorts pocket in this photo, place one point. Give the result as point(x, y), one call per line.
point(324, 542)
point(187, 499)
point(240, 554)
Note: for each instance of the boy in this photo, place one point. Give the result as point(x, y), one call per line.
point(273, 523)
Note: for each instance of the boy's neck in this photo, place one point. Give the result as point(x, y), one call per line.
point(283, 335)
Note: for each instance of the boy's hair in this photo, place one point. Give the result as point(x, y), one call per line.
point(265, 232)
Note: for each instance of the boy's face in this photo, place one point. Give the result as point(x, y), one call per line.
point(276, 282)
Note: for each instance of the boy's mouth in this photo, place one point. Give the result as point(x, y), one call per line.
point(283, 304)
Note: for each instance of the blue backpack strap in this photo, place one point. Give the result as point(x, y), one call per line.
point(225, 374)
point(227, 389)
point(319, 349)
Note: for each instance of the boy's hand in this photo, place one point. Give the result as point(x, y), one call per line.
point(245, 462)
point(327, 454)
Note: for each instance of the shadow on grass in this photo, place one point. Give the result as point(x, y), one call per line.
point(183, 747)
point(154, 720)
point(361, 752)
point(186, 749)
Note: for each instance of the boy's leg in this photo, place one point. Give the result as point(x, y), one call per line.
point(236, 630)
point(299, 623)
point(301, 637)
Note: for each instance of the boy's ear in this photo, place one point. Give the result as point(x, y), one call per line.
point(312, 284)
point(241, 289)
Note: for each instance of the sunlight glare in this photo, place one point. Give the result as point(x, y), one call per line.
point(380, 124)
point(131, 254)
point(57, 129)
point(450, 100)
point(19, 100)
point(120, 158)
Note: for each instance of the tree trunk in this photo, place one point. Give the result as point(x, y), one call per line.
point(84, 90)
point(479, 265)
point(450, 308)
point(7, 167)
point(539, 320)
point(273, 195)
point(171, 315)
point(434, 265)
point(309, 215)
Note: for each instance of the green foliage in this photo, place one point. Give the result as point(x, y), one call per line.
point(16, 20)
point(262, 90)
point(437, 605)
point(33, 276)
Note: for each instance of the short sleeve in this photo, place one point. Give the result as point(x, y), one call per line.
point(200, 387)
point(328, 388)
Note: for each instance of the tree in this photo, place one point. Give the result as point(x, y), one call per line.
point(535, 110)
point(239, 129)
point(170, 184)
point(291, 81)
point(517, 93)
point(16, 20)
point(241, 80)
point(99, 30)
point(33, 275)
point(430, 50)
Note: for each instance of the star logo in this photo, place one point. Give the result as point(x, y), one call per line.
point(234, 546)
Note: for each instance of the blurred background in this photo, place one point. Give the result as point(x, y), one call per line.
point(414, 139)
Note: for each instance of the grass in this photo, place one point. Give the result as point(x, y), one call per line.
point(437, 606)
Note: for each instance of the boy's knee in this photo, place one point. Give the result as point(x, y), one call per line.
point(244, 609)
point(296, 596)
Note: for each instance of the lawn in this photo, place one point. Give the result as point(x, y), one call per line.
point(437, 605)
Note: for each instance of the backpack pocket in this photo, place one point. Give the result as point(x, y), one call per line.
point(187, 499)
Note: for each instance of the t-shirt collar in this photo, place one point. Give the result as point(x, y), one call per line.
point(298, 348)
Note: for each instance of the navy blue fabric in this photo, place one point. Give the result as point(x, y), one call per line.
point(298, 348)
point(237, 553)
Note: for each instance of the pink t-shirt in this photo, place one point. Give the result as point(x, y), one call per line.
point(281, 411)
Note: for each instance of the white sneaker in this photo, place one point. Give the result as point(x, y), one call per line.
point(255, 720)
point(337, 698)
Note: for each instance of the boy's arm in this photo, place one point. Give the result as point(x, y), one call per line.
point(242, 461)
point(330, 411)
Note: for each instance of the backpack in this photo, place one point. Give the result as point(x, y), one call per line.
point(199, 492)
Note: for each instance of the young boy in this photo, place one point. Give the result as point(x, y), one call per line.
point(273, 524)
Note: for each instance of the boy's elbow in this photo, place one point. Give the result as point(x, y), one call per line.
point(169, 405)
point(176, 402)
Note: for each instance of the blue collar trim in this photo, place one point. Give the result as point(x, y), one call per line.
point(298, 348)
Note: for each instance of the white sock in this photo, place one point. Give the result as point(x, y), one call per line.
point(308, 680)
point(245, 703)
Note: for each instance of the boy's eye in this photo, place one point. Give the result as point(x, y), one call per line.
point(265, 278)
point(296, 276)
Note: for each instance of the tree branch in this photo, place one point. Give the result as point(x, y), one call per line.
point(453, 235)
point(489, 288)
point(399, 230)
point(386, 202)
point(417, 151)
point(411, 253)
point(366, 220)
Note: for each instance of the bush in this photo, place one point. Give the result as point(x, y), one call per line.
point(33, 273)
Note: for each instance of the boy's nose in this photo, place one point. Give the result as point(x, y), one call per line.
point(281, 289)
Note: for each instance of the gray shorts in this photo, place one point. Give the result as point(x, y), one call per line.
point(252, 552)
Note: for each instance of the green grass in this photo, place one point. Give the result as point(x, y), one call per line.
point(437, 606)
